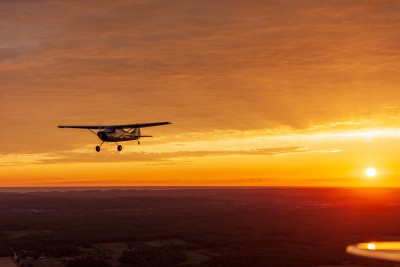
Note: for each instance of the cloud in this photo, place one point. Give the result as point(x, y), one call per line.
point(206, 66)
point(167, 158)
point(27, 159)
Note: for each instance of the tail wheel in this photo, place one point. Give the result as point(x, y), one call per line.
point(119, 147)
point(98, 148)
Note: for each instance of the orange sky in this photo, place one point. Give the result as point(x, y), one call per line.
point(300, 93)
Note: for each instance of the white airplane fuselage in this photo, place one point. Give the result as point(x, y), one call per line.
point(118, 135)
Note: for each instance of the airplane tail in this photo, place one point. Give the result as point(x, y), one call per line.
point(136, 133)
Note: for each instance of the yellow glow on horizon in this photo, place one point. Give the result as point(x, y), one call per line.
point(257, 158)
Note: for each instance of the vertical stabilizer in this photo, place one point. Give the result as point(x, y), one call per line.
point(136, 132)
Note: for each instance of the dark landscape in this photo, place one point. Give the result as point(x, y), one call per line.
point(196, 227)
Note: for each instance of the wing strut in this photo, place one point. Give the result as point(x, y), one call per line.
point(93, 132)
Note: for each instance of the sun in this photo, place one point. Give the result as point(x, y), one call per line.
point(370, 172)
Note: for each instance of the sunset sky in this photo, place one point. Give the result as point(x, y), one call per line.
point(275, 92)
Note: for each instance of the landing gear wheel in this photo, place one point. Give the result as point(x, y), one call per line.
point(119, 147)
point(98, 148)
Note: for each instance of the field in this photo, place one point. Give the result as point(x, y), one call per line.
point(198, 227)
point(6, 262)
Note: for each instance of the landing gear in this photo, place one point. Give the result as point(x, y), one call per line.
point(98, 147)
point(119, 148)
point(138, 142)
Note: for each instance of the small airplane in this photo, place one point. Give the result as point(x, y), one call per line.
point(117, 133)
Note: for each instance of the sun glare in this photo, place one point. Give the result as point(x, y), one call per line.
point(371, 246)
point(370, 172)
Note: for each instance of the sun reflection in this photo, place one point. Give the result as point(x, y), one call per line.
point(371, 246)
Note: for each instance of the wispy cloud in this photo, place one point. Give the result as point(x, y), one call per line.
point(204, 65)
point(164, 153)
point(27, 159)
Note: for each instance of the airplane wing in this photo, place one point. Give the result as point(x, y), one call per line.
point(135, 125)
point(389, 251)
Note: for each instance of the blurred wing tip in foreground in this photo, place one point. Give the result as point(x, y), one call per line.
point(378, 250)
